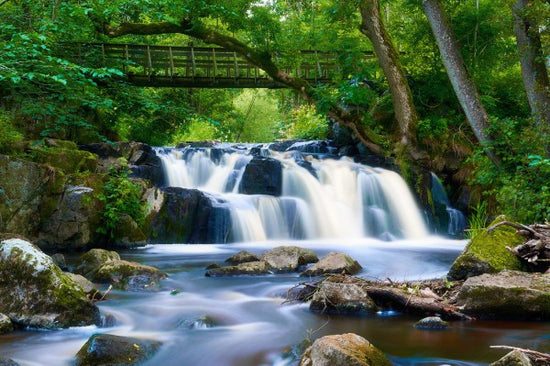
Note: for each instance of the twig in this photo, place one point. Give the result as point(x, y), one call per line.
point(542, 356)
point(515, 226)
point(3, 2)
point(106, 292)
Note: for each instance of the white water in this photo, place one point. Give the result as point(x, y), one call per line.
point(340, 199)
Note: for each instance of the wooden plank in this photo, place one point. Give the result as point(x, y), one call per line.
point(194, 66)
point(171, 55)
point(236, 65)
point(215, 63)
point(149, 62)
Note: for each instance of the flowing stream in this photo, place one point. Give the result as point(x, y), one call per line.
point(325, 205)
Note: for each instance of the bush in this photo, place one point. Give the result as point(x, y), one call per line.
point(198, 130)
point(10, 136)
point(121, 196)
point(305, 123)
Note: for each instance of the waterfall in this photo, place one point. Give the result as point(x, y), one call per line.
point(456, 221)
point(319, 197)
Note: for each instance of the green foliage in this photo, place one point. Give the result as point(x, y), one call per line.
point(477, 221)
point(305, 123)
point(198, 130)
point(432, 127)
point(121, 197)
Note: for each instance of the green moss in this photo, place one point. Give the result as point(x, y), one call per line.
point(65, 157)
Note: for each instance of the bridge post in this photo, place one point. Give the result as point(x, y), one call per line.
point(193, 64)
point(215, 64)
point(171, 55)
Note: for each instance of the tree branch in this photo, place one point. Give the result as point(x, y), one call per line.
point(3, 2)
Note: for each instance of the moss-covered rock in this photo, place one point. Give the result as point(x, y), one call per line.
point(6, 325)
point(111, 350)
point(242, 257)
point(508, 295)
point(288, 258)
point(64, 155)
point(86, 285)
point(514, 358)
point(248, 268)
point(431, 323)
point(334, 296)
point(487, 253)
point(90, 261)
point(129, 276)
point(35, 292)
point(333, 263)
point(128, 233)
point(345, 349)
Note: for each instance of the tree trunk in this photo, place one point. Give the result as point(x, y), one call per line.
point(461, 80)
point(405, 112)
point(533, 68)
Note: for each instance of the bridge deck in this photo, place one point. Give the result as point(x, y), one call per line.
point(200, 67)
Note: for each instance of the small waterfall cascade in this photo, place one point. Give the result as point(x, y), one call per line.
point(307, 196)
point(456, 219)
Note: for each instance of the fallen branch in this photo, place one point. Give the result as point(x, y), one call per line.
point(515, 226)
point(544, 357)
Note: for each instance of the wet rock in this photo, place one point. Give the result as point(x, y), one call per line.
point(508, 295)
point(189, 216)
point(70, 225)
point(111, 350)
point(262, 176)
point(203, 322)
point(4, 361)
point(59, 260)
point(288, 258)
point(282, 145)
point(129, 276)
point(247, 268)
point(334, 297)
point(487, 253)
point(35, 292)
point(242, 257)
point(514, 358)
point(212, 266)
point(128, 234)
point(6, 325)
point(90, 261)
point(64, 155)
point(108, 321)
point(333, 263)
point(345, 349)
point(432, 323)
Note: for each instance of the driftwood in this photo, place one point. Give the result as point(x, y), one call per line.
point(536, 249)
point(538, 357)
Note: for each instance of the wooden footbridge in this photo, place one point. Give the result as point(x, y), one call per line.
point(198, 67)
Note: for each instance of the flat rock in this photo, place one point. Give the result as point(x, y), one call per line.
point(35, 292)
point(509, 295)
point(288, 258)
point(90, 261)
point(242, 257)
point(111, 350)
point(345, 349)
point(432, 323)
point(333, 263)
point(247, 268)
point(342, 298)
point(83, 282)
point(130, 276)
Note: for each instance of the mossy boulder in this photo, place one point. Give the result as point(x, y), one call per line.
point(90, 261)
point(248, 268)
point(242, 257)
point(288, 258)
point(64, 155)
point(6, 325)
point(337, 296)
point(128, 234)
point(487, 253)
point(87, 285)
point(111, 350)
point(333, 263)
point(35, 292)
point(130, 276)
point(431, 323)
point(514, 358)
point(344, 349)
point(508, 295)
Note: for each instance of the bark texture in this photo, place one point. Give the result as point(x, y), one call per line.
point(405, 113)
point(461, 80)
point(533, 68)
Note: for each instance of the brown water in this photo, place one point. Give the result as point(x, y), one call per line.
point(252, 326)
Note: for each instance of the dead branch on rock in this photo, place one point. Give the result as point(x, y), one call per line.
point(538, 357)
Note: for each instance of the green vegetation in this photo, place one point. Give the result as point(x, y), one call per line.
point(121, 197)
point(48, 92)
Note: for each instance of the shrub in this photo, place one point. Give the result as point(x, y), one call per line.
point(305, 123)
point(10, 136)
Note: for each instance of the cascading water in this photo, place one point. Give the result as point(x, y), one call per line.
point(456, 219)
point(319, 198)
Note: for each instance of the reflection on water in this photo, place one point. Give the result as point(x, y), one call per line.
point(243, 321)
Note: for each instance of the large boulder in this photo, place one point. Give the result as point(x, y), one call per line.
point(70, 226)
point(507, 295)
point(262, 176)
point(333, 263)
point(487, 253)
point(130, 276)
point(23, 185)
point(111, 350)
point(64, 155)
point(35, 292)
point(189, 216)
point(89, 262)
point(345, 349)
point(247, 268)
point(242, 257)
point(334, 296)
point(128, 233)
point(288, 258)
